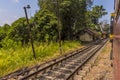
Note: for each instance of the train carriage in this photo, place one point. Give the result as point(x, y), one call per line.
point(116, 40)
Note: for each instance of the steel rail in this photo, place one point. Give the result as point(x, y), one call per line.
point(59, 61)
point(56, 62)
point(36, 67)
point(27, 70)
point(84, 62)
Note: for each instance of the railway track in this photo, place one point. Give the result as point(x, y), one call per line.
point(62, 68)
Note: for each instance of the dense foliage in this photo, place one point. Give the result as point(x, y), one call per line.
point(46, 26)
point(74, 15)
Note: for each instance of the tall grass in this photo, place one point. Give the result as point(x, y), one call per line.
point(13, 59)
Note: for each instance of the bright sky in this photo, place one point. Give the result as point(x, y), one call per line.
point(10, 10)
point(108, 5)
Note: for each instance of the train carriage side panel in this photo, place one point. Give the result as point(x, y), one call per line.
point(116, 41)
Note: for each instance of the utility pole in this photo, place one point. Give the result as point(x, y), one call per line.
point(29, 29)
point(59, 30)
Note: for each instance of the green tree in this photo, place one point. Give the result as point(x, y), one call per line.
point(72, 14)
point(96, 13)
point(4, 32)
point(46, 26)
point(19, 31)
